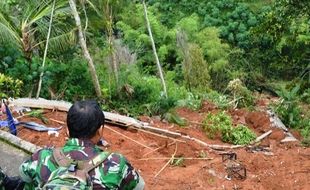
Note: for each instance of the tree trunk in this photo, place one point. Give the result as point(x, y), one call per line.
point(45, 51)
point(113, 64)
point(154, 50)
point(84, 48)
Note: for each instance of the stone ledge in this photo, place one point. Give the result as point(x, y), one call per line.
point(18, 142)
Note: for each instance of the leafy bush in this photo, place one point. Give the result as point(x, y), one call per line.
point(192, 101)
point(242, 97)
point(305, 132)
point(217, 124)
point(141, 93)
point(69, 81)
point(221, 124)
point(240, 135)
point(305, 97)
point(220, 100)
point(9, 87)
point(288, 108)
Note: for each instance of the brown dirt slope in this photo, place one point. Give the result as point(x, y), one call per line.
point(286, 166)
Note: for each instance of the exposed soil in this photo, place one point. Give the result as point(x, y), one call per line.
point(286, 166)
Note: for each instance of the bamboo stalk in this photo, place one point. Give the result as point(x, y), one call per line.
point(163, 136)
point(45, 51)
point(166, 158)
point(57, 121)
point(172, 157)
point(159, 148)
point(160, 71)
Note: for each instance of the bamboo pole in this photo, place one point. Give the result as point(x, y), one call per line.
point(172, 157)
point(46, 48)
point(160, 71)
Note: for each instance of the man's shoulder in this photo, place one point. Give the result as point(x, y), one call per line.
point(115, 161)
point(41, 153)
point(116, 157)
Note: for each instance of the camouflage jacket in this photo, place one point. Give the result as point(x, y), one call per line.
point(114, 173)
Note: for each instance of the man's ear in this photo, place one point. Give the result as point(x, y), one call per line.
point(101, 130)
point(67, 132)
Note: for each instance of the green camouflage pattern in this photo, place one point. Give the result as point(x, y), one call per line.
point(114, 173)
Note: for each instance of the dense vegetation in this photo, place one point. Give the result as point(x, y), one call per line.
point(220, 50)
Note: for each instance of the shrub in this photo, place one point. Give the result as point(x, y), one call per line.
point(220, 100)
point(240, 135)
point(9, 87)
point(288, 108)
point(241, 95)
point(192, 101)
point(140, 93)
point(220, 124)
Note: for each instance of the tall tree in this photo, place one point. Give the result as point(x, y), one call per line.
point(87, 56)
point(160, 70)
point(26, 29)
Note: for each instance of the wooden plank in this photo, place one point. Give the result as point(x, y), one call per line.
point(276, 121)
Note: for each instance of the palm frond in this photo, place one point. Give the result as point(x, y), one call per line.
point(7, 31)
point(60, 42)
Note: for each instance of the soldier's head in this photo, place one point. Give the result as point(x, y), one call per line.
point(84, 119)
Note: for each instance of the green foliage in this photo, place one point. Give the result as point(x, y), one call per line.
point(234, 19)
point(216, 54)
point(173, 117)
point(134, 33)
point(288, 108)
point(240, 135)
point(305, 132)
point(141, 94)
point(305, 97)
point(196, 73)
point(220, 100)
point(9, 87)
point(285, 28)
point(217, 124)
point(38, 114)
point(220, 124)
point(192, 101)
point(242, 97)
point(178, 162)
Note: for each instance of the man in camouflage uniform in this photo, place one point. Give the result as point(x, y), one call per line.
point(85, 123)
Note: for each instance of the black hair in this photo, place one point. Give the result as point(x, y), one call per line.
point(84, 119)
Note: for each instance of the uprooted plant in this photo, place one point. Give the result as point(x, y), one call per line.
point(220, 124)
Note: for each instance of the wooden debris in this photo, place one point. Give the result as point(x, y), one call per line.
point(164, 146)
point(258, 139)
point(169, 161)
point(57, 121)
point(276, 121)
point(168, 158)
point(128, 137)
point(163, 136)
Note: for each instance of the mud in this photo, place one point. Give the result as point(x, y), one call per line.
point(286, 166)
